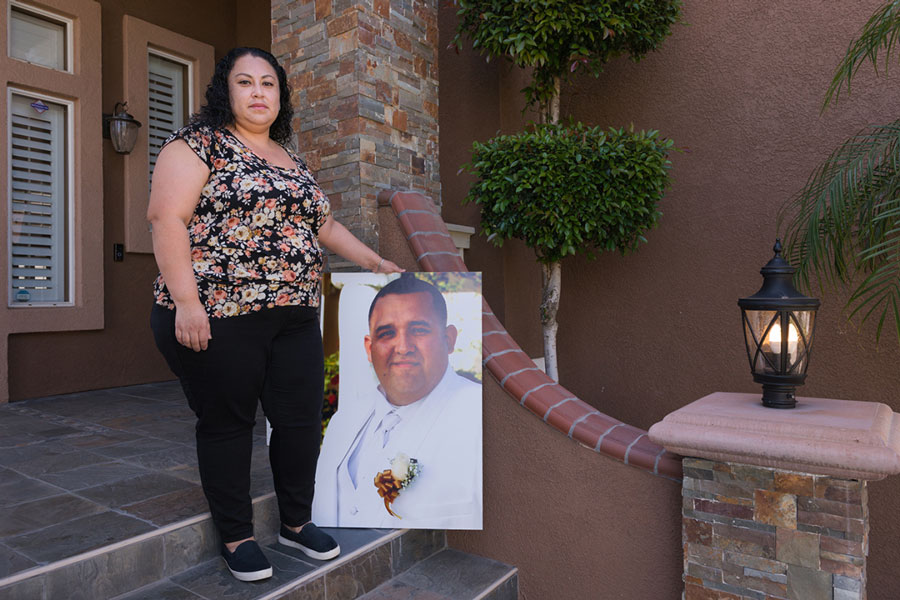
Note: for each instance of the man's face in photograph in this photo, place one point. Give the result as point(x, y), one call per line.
point(408, 345)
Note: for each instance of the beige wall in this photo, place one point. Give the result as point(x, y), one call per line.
point(123, 353)
point(740, 91)
point(577, 524)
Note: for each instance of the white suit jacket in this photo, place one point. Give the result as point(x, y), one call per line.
point(444, 435)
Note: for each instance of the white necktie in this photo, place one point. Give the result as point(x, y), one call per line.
point(389, 421)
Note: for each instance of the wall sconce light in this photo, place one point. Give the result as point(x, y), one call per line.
point(123, 129)
point(779, 323)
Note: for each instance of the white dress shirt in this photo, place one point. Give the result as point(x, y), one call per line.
point(442, 431)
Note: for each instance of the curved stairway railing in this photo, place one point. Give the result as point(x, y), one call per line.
point(430, 242)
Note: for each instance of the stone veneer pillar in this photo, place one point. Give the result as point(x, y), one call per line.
point(365, 81)
point(775, 501)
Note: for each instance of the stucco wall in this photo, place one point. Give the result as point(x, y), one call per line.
point(469, 110)
point(123, 352)
point(740, 91)
point(577, 524)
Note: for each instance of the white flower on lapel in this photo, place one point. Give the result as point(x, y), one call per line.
point(399, 477)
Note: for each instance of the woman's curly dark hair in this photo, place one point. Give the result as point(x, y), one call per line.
point(217, 110)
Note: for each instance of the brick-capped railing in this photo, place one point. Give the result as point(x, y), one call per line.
point(434, 250)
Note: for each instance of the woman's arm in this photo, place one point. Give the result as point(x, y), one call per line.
point(178, 178)
point(338, 239)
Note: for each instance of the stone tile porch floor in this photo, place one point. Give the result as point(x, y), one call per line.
point(82, 471)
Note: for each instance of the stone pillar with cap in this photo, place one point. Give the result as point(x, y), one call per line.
point(775, 502)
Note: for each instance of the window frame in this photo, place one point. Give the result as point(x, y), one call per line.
point(40, 12)
point(69, 242)
point(139, 39)
point(82, 88)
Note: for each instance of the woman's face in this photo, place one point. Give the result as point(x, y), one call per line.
point(254, 94)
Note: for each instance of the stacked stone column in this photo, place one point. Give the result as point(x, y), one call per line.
point(763, 533)
point(774, 502)
point(364, 76)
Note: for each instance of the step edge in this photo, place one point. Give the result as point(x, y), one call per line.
point(332, 565)
point(71, 560)
point(287, 587)
point(513, 571)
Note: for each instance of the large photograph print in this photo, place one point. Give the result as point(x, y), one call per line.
point(403, 448)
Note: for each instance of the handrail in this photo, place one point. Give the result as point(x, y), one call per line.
point(430, 242)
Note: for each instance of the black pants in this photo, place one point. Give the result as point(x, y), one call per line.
point(273, 356)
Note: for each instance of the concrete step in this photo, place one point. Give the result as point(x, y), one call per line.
point(369, 558)
point(181, 562)
point(451, 575)
point(126, 565)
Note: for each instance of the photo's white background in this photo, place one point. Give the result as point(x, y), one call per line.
point(357, 292)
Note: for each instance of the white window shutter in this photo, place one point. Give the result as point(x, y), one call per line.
point(166, 102)
point(38, 201)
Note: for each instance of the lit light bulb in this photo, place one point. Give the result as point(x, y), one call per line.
point(792, 339)
point(774, 339)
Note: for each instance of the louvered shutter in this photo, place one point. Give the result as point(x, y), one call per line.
point(167, 102)
point(38, 201)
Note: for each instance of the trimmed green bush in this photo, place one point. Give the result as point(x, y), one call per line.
point(558, 37)
point(565, 189)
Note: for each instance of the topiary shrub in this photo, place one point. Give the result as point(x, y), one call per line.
point(565, 190)
point(568, 189)
point(556, 38)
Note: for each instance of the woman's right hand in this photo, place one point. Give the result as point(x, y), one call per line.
point(178, 178)
point(192, 326)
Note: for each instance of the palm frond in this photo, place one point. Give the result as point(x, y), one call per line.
point(880, 291)
point(881, 32)
point(845, 223)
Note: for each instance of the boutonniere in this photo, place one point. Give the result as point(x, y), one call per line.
point(400, 476)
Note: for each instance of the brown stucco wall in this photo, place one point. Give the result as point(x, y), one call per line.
point(86, 190)
point(740, 91)
point(577, 524)
point(469, 110)
point(123, 353)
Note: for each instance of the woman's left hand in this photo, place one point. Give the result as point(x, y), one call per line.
point(339, 239)
point(386, 266)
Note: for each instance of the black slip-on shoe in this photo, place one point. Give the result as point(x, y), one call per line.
point(311, 541)
point(247, 562)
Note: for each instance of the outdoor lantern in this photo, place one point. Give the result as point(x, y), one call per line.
point(778, 331)
point(123, 129)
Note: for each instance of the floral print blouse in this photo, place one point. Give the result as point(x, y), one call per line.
point(254, 232)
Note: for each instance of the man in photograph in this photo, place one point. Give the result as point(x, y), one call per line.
point(419, 439)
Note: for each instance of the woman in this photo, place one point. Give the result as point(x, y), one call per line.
point(237, 220)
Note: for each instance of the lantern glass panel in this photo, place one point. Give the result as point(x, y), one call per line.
point(757, 328)
point(801, 322)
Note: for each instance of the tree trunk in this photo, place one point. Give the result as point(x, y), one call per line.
point(549, 113)
point(554, 101)
point(551, 275)
point(551, 279)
